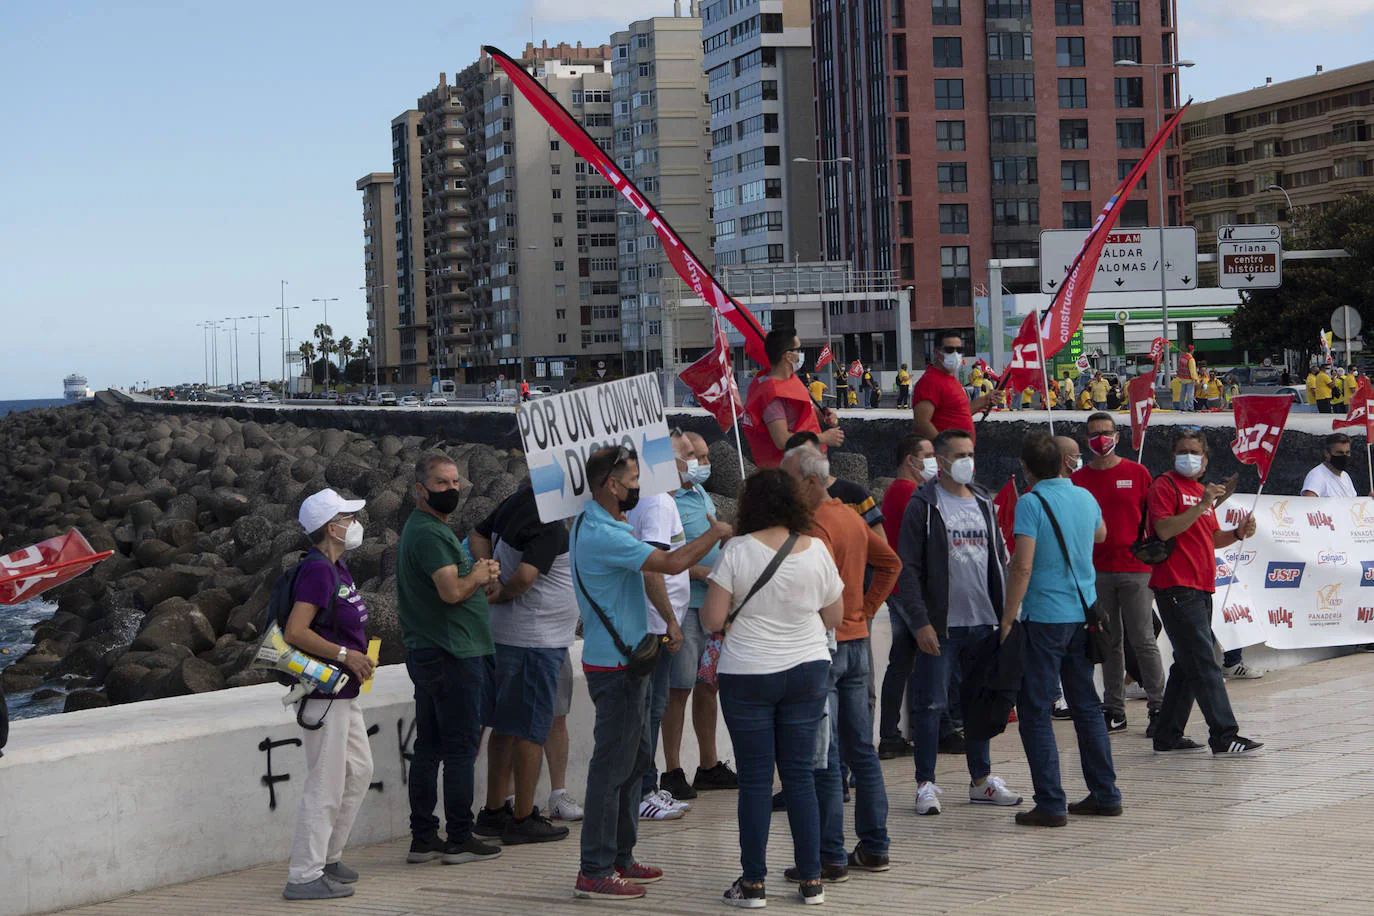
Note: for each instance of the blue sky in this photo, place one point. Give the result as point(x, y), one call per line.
point(168, 163)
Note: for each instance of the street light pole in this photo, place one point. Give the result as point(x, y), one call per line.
point(325, 302)
point(205, 346)
point(284, 344)
point(258, 334)
point(1284, 192)
point(233, 351)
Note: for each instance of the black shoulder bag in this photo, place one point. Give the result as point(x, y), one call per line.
point(1099, 636)
point(640, 660)
point(763, 578)
point(1151, 549)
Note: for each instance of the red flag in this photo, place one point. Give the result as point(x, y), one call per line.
point(1260, 419)
point(712, 381)
point(1358, 413)
point(1140, 394)
point(1024, 370)
point(826, 356)
point(1066, 311)
point(984, 368)
point(1158, 347)
point(32, 571)
point(687, 265)
point(1005, 504)
point(856, 369)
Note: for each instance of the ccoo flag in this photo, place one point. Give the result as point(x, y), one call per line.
point(1140, 395)
point(687, 265)
point(1358, 412)
point(1260, 419)
point(712, 381)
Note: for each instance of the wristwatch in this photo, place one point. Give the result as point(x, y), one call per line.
point(343, 654)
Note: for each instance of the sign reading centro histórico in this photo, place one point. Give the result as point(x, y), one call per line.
point(558, 432)
point(1249, 265)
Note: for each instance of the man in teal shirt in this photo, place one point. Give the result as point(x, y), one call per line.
point(442, 610)
point(608, 566)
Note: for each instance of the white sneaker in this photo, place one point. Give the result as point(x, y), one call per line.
point(1136, 692)
point(563, 807)
point(1242, 671)
point(993, 791)
point(653, 809)
point(668, 801)
point(928, 798)
point(1061, 709)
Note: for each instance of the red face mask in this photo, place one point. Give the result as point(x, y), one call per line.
point(1103, 445)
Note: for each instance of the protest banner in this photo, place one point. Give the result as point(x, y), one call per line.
point(558, 432)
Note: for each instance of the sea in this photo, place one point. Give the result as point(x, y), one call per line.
point(9, 407)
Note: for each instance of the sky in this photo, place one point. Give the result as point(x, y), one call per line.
point(171, 163)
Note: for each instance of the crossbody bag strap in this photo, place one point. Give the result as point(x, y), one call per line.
point(1145, 510)
point(763, 578)
point(1068, 561)
point(605, 620)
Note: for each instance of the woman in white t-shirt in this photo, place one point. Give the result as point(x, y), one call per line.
point(774, 672)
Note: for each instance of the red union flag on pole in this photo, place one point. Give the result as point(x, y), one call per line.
point(826, 356)
point(1140, 395)
point(1005, 504)
point(713, 383)
point(32, 571)
point(856, 369)
point(1158, 347)
point(1358, 413)
point(687, 265)
point(1260, 419)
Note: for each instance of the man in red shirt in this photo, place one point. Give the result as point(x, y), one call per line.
point(1121, 488)
point(938, 402)
point(1181, 510)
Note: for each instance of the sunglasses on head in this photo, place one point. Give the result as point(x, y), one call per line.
point(622, 455)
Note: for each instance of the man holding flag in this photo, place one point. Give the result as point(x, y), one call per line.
point(779, 405)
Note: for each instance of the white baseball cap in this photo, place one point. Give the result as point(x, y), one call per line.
point(319, 508)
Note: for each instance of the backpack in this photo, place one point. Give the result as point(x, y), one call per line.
point(283, 598)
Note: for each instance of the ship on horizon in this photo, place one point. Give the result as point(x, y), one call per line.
point(74, 387)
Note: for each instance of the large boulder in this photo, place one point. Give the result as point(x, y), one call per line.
point(175, 621)
point(252, 531)
point(851, 466)
point(383, 622)
point(216, 604)
point(85, 699)
point(193, 675)
point(122, 683)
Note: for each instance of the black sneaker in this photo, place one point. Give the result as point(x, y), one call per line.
point(830, 874)
point(1115, 722)
point(746, 896)
point(425, 849)
point(1236, 747)
point(1154, 723)
point(1039, 817)
point(675, 783)
point(719, 776)
point(534, 829)
point(1179, 746)
point(779, 802)
point(470, 850)
point(953, 743)
point(846, 797)
point(863, 860)
point(492, 824)
point(811, 893)
point(1090, 805)
point(1061, 710)
point(892, 748)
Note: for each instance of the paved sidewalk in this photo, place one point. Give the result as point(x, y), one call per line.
point(1276, 834)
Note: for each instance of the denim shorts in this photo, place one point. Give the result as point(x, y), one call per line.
point(685, 664)
point(562, 705)
point(526, 689)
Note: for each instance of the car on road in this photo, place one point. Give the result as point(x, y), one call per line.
point(250, 399)
point(386, 399)
point(1299, 396)
point(354, 400)
point(269, 399)
point(540, 391)
point(436, 400)
point(410, 400)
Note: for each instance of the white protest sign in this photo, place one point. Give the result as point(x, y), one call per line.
point(558, 432)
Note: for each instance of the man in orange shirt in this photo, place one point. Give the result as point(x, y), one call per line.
point(854, 545)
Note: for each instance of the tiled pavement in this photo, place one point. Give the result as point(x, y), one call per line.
point(1281, 833)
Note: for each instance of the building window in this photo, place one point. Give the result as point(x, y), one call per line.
point(952, 177)
point(944, 12)
point(1008, 9)
point(1124, 166)
point(646, 70)
point(562, 338)
point(1012, 128)
point(1073, 93)
point(949, 135)
point(1125, 12)
point(956, 285)
point(1068, 12)
point(558, 265)
point(949, 95)
point(1011, 87)
point(1130, 92)
point(1014, 170)
point(1135, 215)
point(558, 217)
point(1073, 134)
point(1078, 214)
point(1068, 52)
point(947, 52)
point(1073, 175)
point(953, 219)
point(558, 241)
point(560, 314)
point(1126, 47)
point(557, 193)
point(555, 169)
point(1009, 46)
point(554, 145)
point(1016, 213)
point(1130, 133)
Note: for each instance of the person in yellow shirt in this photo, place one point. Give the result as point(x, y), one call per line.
point(1323, 390)
point(1099, 388)
point(1176, 391)
point(1187, 372)
point(1026, 399)
point(818, 390)
point(1350, 382)
point(904, 387)
point(1338, 399)
point(1085, 400)
point(1213, 392)
point(1312, 385)
point(1066, 392)
point(1052, 398)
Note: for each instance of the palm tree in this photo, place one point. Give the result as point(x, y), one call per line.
point(308, 357)
point(346, 351)
point(326, 337)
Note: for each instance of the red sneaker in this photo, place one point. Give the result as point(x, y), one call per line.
point(639, 873)
point(1012, 718)
point(611, 887)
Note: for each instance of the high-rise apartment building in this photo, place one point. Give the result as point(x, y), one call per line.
point(986, 102)
point(757, 57)
point(661, 143)
point(379, 274)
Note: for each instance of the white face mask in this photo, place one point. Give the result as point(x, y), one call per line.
point(696, 472)
point(930, 468)
point(962, 471)
point(952, 362)
point(800, 360)
point(1188, 465)
point(353, 536)
point(1076, 465)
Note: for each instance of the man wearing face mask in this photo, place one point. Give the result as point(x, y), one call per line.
point(451, 657)
point(939, 403)
point(1068, 451)
point(1330, 478)
point(1121, 488)
point(779, 405)
point(1181, 510)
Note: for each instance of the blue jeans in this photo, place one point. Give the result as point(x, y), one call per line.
point(1194, 675)
point(898, 687)
point(772, 720)
point(452, 699)
point(930, 676)
point(1058, 652)
point(1185, 398)
point(851, 738)
point(658, 680)
point(620, 753)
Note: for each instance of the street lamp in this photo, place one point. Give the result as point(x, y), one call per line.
point(234, 345)
point(205, 345)
point(258, 334)
point(325, 302)
point(1280, 189)
point(1163, 292)
point(376, 325)
point(286, 311)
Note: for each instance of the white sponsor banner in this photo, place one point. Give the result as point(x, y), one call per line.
point(558, 432)
point(1306, 579)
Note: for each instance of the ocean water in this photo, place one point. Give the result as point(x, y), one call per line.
point(9, 407)
point(16, 638)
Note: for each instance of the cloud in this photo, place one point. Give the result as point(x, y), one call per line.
point(1309, 15)
point(624, 11)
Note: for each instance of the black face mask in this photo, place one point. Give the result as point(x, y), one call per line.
point(1340, 462)
point(631, 499)
point(442, 501)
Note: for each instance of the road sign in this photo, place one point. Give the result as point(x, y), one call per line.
point(559, 431)
point(1346, 323)
point(1130, 259)
point(1249, 265)
point(1256, 233)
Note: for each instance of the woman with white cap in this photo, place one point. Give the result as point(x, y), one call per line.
point(329, 621)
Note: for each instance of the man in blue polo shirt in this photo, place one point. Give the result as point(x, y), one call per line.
point(1050, 589)
point(608, 566)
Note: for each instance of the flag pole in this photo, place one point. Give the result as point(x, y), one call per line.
point(734, 419)
point(1369, 462)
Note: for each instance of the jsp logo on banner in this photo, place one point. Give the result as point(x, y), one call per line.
point(1306, 579)
point(558, 432)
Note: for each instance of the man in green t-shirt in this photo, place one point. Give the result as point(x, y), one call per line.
point(442, 609)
